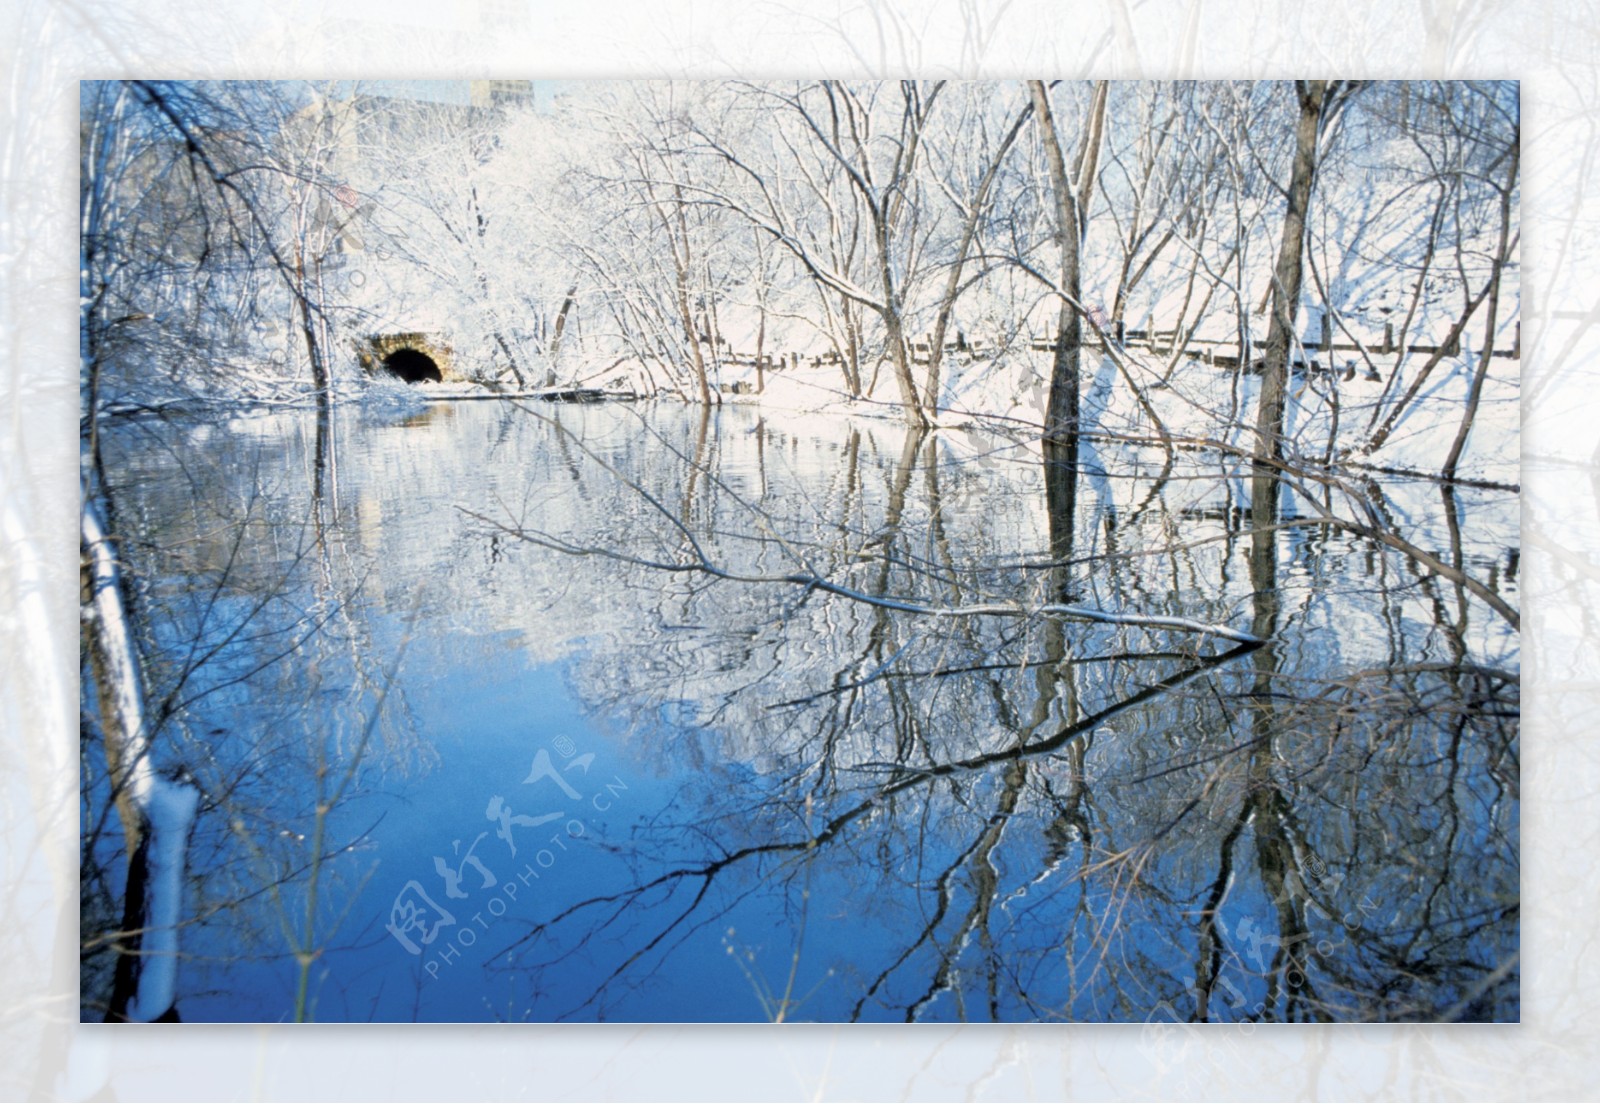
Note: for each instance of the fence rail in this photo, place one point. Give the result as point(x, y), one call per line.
point(1214, 352)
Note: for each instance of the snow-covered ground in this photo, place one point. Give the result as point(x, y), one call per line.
point(1206, 402)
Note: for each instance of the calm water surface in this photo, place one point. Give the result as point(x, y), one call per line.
point(565, 781)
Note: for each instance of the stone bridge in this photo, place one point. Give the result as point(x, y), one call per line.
point(412, 357)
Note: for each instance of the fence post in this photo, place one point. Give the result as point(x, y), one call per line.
point(1327, 334)
point(1388, 337)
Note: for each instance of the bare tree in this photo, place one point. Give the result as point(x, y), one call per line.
point(876, 148)
point(1074, 192)
point(975, 209)
point(1311, 97)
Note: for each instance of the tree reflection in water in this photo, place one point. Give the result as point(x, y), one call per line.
point(889, 814)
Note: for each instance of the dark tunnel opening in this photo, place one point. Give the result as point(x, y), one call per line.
point(412, 366)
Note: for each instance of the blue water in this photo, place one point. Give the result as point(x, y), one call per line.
point(750, 801)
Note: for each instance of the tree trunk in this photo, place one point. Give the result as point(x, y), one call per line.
point(1287, 275)
point(1061, 416)
point(156, 814)
point(308, 327)
point(952, 289)
point(852, 337)
point(115, 672)
point(761, 346)
point(682, 265)
point(713, 327)
point(1502, 255)
point(555, 339)
point(894, 329)
point(761, 314)
point(511, 358)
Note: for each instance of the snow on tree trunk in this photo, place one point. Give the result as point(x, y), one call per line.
point(109, 647)
point(156, 814)
point(171, 814)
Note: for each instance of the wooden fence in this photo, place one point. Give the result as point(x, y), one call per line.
point(1219, 353)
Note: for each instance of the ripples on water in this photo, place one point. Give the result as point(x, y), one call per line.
point(735, 801)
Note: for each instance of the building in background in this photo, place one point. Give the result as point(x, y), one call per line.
point(497, 93)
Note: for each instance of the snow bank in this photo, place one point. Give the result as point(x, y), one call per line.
point(1204, 401)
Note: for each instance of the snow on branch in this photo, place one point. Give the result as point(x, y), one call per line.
point(171, 810)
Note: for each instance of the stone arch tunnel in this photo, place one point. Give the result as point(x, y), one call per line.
point(411, 357)
point(412, 366)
